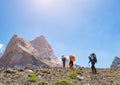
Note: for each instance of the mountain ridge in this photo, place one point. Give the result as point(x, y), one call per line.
point(21, 52)
point(116, 62)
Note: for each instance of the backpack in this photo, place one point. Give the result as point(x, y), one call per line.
point(63, 58)
point(72, 57)
point(93, 58)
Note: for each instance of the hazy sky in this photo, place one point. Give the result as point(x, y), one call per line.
point(77, 27)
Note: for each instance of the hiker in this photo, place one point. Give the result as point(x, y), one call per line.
point(72, 59)
point(93, 60)
point(63, 60)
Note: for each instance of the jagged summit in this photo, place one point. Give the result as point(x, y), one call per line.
point(16, 43)
point(36, 52)
point(116, 63)
point(45, 50)
point(15, 35)
point(43, 47)
point(40, 41)
point(20, 52)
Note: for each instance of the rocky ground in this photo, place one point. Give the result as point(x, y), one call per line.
point(59, 76)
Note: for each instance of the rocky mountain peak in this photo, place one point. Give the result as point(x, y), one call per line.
point(15, 36)
point(36, 52)
point(20, 52)
point(43, 47)
point(40, 41)
point(17, 43)
point(45, 50)
point(116, 63)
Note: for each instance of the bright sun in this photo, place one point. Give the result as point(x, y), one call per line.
point(44, 3)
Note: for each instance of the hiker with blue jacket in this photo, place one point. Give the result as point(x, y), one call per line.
point(93, 60)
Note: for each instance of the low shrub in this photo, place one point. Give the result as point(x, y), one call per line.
point(78, 70)
point(63, 82)
point(61, 74)
point(43, 83)
point(32, 77)
point(72, 74)
point(27, 67)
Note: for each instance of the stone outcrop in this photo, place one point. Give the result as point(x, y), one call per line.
point(20, 52)
point(43, 48)
point(116, 63)
point(45, 51)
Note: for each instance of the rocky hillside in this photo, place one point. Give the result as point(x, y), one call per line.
point(44, 49)
point(59, 76)
point(21, 53)
point(116, 63)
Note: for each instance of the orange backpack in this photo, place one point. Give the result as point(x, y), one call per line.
point(72, 57)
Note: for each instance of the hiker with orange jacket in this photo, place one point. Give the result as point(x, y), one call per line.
point(72, 59)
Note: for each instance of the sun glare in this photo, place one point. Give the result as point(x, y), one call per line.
point(43, 3)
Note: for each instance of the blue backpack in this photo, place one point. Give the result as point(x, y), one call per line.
point(93, 58)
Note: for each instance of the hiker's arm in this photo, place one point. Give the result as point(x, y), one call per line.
point(96, 60)
point(89, 59)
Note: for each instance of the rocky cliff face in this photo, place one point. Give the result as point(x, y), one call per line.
point(116, 63)
point(20, 52)
point(44, 49)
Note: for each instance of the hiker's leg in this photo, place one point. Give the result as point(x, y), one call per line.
point(63, 64)
point(95, 69)
point(70, 64)
point(92, 68)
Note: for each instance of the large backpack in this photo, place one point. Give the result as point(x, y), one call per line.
point(72, 57)
point(93, 58)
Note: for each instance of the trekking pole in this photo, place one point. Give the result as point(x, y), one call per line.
point(88, 65)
